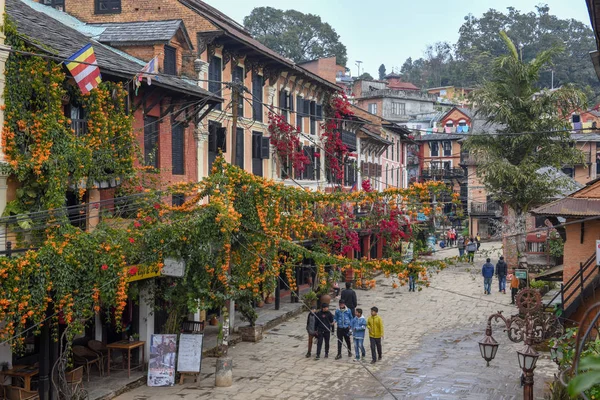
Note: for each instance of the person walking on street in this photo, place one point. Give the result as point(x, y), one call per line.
point(514, 288)
point(461, 246)
point(375, 327)
point(501, 272)
point(324, 328)
point(471, 249)
point(359, 325)
point(343, 320)
point(349, 297)
point(488, 274)
point(478, 240)
point(412, 279)
point(311, 328)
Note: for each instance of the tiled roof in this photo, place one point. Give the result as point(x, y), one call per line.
point(439, 136)
point(569, 206)
point(238, 32)
point(44, 28)
point(145, 31)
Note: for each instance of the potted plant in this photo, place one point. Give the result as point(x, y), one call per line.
point(213, 321)
point(136, 337)
point(310, 298)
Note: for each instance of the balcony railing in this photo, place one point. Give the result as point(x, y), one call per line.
point(481, 208)
point(443, 173)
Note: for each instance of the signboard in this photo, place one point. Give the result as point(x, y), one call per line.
point(189, 358)
point(161, 367)
point(597, 252)
point(431, 243)
point(521, 273)
point(144, 272)
point(409, 254)
point(173, 267)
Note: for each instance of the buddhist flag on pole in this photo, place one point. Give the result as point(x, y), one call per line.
point(84, 69)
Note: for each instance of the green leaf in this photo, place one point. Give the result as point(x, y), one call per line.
point(583, 382)
point(590, 363)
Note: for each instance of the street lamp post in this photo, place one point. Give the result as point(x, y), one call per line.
point(530, 326)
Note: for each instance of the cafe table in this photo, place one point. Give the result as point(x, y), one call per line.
point(126, 345)
point(25, 372)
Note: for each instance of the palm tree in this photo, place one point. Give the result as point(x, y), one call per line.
point(532, 132)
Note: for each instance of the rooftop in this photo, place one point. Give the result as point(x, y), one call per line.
point(54, 32)
point(145, 31)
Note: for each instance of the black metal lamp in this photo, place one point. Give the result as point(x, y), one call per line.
point(488, 346)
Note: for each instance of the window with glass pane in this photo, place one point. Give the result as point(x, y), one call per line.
point(214, 78)
point(108, 6)
point(434, 149)
point(177, 149)
point(151, 141)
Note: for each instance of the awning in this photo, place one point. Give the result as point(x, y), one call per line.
point(553, 274)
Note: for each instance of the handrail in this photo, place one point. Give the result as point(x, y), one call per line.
point(579, 278)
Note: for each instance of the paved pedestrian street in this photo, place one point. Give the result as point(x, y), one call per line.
point(430, 351)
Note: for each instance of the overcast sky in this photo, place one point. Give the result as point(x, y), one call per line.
point(389, 31)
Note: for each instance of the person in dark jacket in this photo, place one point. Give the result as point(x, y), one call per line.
point(311, 328)
point(461, 246)
point(488, 274)
point(349, 297)
point(324, 323)
point(501, 272)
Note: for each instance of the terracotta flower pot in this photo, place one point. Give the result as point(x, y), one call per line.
point(213, 321)
point(325, 299)
point(270, 300)
point(260, 304)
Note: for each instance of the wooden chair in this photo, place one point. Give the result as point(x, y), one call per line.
point(74, 378)
point(99, 348)
point(86, 357)
point(17, 393)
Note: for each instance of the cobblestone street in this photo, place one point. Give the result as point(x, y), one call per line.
point(430, 351)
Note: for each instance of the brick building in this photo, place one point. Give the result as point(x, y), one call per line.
point(223, 51)
point(580, 275)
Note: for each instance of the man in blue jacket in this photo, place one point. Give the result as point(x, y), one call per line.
point(343, 319)
point(488, 273)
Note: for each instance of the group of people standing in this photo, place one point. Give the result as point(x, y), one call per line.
point(470, 245)
point(501, 272)
point(348, 320)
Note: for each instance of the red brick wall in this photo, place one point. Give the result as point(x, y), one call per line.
point(164, 153)
point(324, 67)
point(142, 10)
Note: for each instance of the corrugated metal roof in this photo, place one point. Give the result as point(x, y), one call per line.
point(569, 206)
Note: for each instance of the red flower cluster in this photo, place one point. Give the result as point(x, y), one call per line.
point(335, 149)
point(285, 138)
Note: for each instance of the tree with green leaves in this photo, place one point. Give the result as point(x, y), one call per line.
point(297, 36)
point(534, 31)
point(381, 72)
point(367, 76)
point(518, 165)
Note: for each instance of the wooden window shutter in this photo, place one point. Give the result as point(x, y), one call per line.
point(170, 61)
point(319, 112)
point(265, 148)
point(239, 148)
point(221, 139)
point(177, 149)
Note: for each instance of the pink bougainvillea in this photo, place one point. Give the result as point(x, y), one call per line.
point(286, 141)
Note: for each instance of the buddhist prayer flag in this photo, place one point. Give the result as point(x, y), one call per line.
point(83, 67)
point(148, 71)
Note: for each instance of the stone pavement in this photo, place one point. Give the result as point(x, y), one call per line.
point(430, 351)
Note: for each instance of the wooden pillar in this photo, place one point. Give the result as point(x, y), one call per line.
point(380, 244)
point(366, 246)
point(350, 271)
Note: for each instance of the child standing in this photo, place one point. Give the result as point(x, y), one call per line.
point(311, 328)
point(359, 325)
point(375, 327)
point(514, 288)
point(324, 323)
